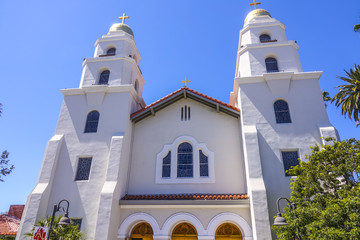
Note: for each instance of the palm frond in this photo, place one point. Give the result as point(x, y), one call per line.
point(357, 28)
point(348, 97)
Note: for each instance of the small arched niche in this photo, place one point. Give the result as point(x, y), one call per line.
point(104, 77)
point(228, 231)
point(265, 38)
point(184, 231)
point(271, 65)
point(142, 231)
point(111, 51)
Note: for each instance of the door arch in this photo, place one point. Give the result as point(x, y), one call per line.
point(184, 231)
point(228, 231)
point(142, 231)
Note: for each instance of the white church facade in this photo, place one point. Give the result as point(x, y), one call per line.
point(188, 165)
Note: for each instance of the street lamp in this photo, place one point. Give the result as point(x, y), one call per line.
point(279, 220)
point(65, 220)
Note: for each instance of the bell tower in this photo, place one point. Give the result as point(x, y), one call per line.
point(87, 160)
point(282, 112)
point(115, 62)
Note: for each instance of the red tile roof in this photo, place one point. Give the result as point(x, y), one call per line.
point(16, 211)
point(8, 225)
point(188, 90)
point(195, 196)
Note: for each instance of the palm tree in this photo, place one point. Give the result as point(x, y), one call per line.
point(58, 232)
point(348, 96)
point(326, 97)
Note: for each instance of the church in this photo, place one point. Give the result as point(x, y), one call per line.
point(187, 166)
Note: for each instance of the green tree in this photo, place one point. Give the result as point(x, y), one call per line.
point(7, 237)
point(59, 232)
point(348, 96)
point(5, 167)
point(326, 193)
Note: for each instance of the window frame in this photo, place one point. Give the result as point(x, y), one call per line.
point(277, 112)
point(77, 168)
point(87, 122)
point(274, 59)
point(108, 77)
point(173, 147)
point(283, 160)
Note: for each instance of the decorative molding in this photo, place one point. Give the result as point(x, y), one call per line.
point(228, 217)
point(181, 217)
point(132, 220)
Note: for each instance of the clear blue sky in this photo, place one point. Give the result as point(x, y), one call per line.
point(43, 44)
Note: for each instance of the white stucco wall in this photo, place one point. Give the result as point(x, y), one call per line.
point(307, 111)
point(218, 131)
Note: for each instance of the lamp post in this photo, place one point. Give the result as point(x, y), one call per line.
point(65, 220)
point(279, 220)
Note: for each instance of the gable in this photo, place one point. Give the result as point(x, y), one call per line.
point(217, 134)
point(185, 93)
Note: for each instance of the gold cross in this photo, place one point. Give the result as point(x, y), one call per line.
point(123, 18)
point(186, 81)
point(255, 3)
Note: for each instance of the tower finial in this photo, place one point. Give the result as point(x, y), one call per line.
point(123, 17)
point(255, 3)
point(186, 81)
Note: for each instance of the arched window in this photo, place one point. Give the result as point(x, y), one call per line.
point(271, 65)
point(228, 231)
point(264, 38)
point(142, 231)
point(184, 231)
point(104, 77)
point(185, 160)
point(92, 121)
point(282, 113)
point(111, 51)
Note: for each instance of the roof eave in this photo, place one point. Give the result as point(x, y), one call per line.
point(180, 95)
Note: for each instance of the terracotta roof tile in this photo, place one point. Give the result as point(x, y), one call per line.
point(180, 90)
point(8, 225)
point(194, 196)
point(16, 211)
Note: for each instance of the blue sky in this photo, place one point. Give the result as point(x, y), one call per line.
point(43, 44)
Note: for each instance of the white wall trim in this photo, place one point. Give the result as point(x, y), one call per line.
point(129, 222)
point(196, 166)
point(228, 217)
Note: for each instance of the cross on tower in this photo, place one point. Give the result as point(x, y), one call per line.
point(255, 3)
point(185, 81)
point(123, 18)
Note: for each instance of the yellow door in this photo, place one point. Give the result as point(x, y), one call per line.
point(142, 231)
point(228, 231)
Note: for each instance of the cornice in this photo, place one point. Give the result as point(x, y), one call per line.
point(101, 89)
point(268, 45)
point(129, 204)
point(293, 76)
point(262, 25)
